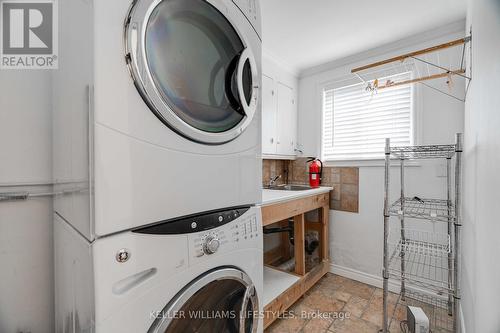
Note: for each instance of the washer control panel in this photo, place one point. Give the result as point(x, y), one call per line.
point(194, 223)
point(244, 230)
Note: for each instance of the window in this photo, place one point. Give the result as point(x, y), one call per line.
point(356, 122)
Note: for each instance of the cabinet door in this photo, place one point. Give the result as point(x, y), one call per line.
point(286, 120)
point(268, 116)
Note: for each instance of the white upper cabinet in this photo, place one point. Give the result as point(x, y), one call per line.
point(286, 120)
point(279, 111)
point(268, 116)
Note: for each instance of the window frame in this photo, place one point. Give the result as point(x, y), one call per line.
point(348, 80)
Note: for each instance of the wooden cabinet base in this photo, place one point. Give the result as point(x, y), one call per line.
point(280, 304)
point(282, 213)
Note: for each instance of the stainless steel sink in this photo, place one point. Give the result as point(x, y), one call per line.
point(288, 187)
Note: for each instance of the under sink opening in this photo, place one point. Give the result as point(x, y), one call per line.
point(280, 242)
point(278, 247)
point(313, 241)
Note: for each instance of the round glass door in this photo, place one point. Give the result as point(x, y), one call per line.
point(222, 301)
point(192, 67)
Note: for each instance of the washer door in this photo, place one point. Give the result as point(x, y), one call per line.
point(222, 301)
point(192, 67)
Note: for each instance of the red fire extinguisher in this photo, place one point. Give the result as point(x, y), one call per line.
point(315, 172)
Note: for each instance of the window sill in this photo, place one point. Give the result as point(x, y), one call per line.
point(367, 163)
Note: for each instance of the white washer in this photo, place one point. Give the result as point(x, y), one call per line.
point(156, 110)
point(156, 280)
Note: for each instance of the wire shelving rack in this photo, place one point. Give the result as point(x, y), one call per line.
point(435, 307)
point(428, 209)
point(426, 263)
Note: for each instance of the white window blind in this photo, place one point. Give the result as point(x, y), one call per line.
point(356, 122)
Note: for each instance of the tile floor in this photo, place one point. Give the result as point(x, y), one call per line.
point(333, 294)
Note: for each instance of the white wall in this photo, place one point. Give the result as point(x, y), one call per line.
point(26, 249)
point(357, 239)
point(481, 224)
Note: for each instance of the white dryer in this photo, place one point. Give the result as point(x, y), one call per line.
point(159, 279)
point(156, 110)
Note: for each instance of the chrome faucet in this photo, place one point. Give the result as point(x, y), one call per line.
point(273, 180)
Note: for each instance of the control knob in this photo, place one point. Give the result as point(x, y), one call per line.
point(211, 245)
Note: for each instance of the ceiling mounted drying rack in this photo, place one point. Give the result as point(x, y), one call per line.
point(434, 69)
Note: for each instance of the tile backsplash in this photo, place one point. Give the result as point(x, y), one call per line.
point(344, 180)
point(273, 168)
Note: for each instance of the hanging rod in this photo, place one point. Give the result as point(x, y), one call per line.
point(413, 54)
point(425, 78)
point(462, 74)
point(24, 195)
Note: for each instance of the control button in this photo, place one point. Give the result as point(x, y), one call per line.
point(194, 225)
point(211, 245)
point(221, 218)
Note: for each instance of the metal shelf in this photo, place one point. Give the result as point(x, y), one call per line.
point(434, 306)
point(425, 266)
point(424, 243)
point(423, 152)
point(428, 209)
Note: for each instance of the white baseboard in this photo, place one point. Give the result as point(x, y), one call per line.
point(370, 279)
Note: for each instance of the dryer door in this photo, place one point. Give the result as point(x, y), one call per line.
point(222, 300)
point(193, 67)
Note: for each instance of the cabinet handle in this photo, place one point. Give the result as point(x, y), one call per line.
point(272, 140)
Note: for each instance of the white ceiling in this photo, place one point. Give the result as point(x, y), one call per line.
point(306, 33)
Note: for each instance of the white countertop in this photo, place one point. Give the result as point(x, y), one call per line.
point(274, 196)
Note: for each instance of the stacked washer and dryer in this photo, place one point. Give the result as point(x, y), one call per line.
point(156, 108)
